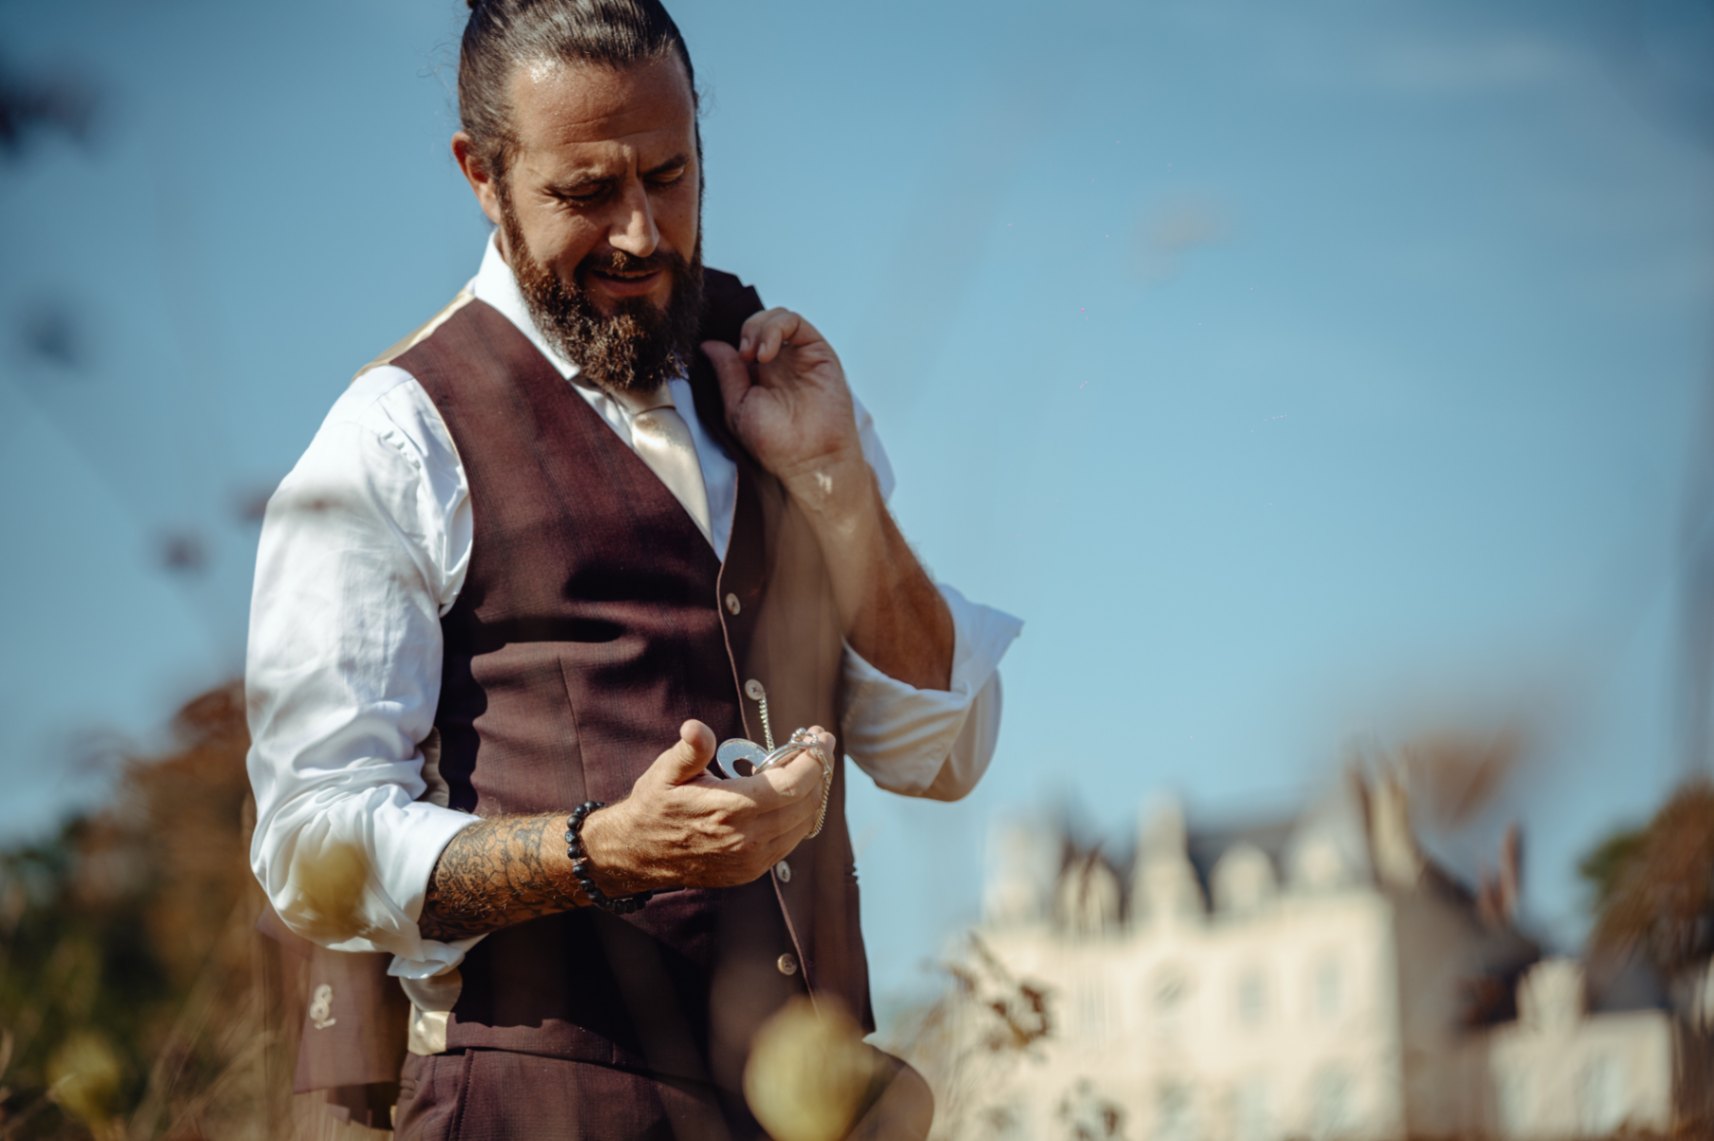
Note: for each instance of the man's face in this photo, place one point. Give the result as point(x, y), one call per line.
point(600, 216)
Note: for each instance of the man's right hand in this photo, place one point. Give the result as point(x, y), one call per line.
point(683, 827)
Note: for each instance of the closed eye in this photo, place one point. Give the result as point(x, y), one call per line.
point(668, 176)
point(583, 194)
point(589, 192)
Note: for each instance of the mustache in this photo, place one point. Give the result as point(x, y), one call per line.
point(618, 261)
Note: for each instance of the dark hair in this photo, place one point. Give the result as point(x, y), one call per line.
point(502, 34)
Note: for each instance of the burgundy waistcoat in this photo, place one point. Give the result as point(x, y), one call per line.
point(593, 620)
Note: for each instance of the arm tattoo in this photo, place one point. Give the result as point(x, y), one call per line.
point(493, 875)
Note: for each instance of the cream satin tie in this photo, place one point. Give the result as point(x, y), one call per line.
point(662, 440)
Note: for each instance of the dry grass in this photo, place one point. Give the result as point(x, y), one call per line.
point(137, 1001)
point(135, 998)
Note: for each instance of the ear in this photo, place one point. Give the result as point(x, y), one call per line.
point(476, 172)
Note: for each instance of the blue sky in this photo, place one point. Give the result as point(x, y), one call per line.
point(1300, 375)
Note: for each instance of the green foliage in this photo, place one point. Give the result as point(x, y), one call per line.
point(1601, 867)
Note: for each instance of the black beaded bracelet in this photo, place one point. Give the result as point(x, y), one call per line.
point(574, 852)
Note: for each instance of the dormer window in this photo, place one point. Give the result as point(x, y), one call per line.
point(1318, 865)
point(1243, 880)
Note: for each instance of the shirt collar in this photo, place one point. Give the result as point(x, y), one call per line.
point(496, 285)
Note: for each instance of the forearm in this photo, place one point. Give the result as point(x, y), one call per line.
point(893, 615)
point(498, 872)
point(505, 870)
point(679, 827)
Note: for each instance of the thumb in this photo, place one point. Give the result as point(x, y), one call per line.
point(688, 757)
point(730, 370)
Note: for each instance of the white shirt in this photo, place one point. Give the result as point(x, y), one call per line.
point(364, 547)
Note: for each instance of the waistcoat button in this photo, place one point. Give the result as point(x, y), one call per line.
point(787, 964)
point(733, 606)
point(784, 871)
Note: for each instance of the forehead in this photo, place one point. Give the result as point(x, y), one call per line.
point(592, 114)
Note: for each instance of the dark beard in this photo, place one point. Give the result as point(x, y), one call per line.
point(636, 349)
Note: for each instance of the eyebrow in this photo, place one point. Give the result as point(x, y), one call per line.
point(582, 183)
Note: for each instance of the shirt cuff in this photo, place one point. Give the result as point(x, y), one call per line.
point(931, 742)
point(428, 957)
point(403, 860)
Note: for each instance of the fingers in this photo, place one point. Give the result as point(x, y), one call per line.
point(805, 812)
point(718, 833)
point(796, 778)
point(785, 831)
point(799, 776)
point(780, 326)
point(826, 743)
point(765, 333)
point(730, 370)
point(686, 760)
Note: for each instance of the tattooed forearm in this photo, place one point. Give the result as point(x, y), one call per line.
point(498, 872)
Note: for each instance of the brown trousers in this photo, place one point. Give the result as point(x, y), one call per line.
point(497, 1095)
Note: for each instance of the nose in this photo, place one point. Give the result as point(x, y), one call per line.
point(633, 229)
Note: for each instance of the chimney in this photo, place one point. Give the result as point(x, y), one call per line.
point(1511, 871)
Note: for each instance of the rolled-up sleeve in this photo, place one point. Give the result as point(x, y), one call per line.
point(342, 680)
point(928, 742)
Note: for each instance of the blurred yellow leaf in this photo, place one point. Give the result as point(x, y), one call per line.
point(331, 884)
point(85, 1077)
point(809, 1074)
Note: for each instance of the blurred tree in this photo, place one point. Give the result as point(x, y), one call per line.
point(1653, 888)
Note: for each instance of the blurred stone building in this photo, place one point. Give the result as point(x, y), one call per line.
point(1316, 977)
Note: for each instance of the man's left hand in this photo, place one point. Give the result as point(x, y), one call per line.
point(788, 404)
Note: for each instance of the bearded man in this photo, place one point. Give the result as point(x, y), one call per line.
point(601, 512)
